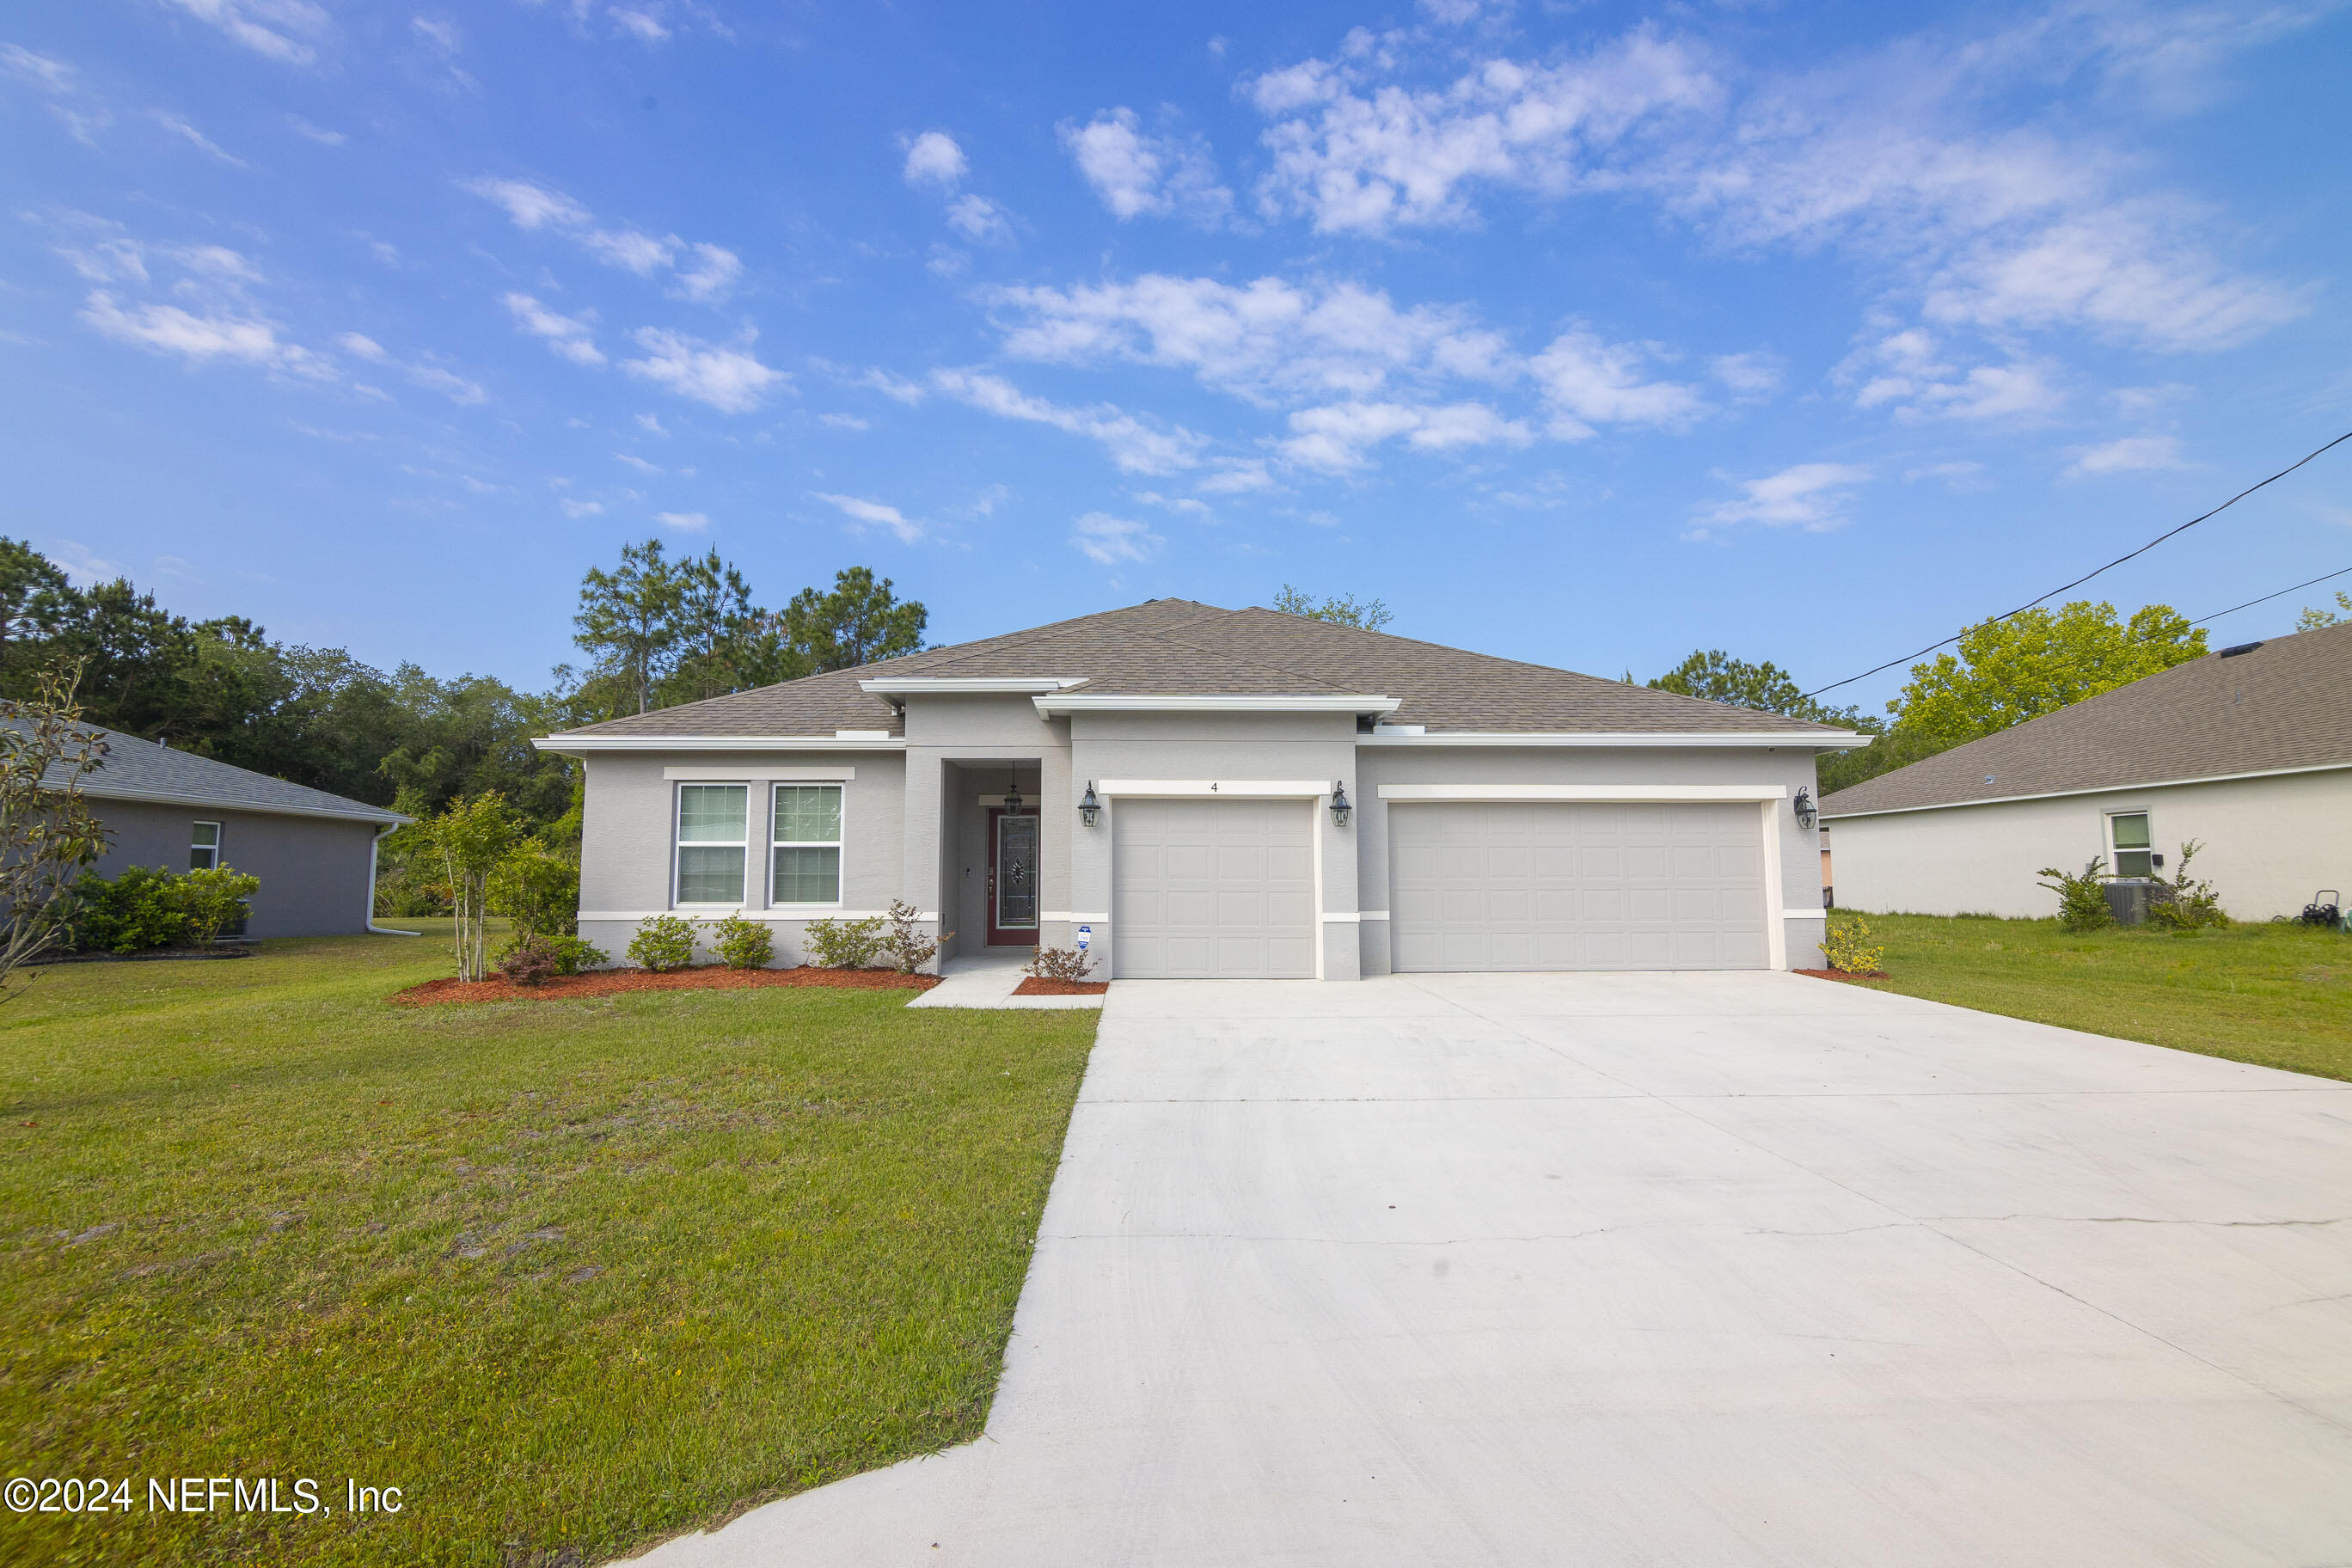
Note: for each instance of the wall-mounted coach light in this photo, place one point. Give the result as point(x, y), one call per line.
point(1088, 806)
point(1341, 809)
point(1805, 812)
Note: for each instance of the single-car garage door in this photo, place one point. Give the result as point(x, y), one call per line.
point(1529, 885)
point(1213, 888)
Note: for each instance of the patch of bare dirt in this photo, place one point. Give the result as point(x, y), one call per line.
point(612, 981)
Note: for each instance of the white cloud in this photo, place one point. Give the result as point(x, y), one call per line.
point(934, 159)
point(1906, 371)
point(1136, 448)
point(875, 514)
point(1336, 439)
point(844, 422)
point(318, 134)
point(643, 26)
point(1956, 474)
point(83, 568)
point(729, 380)
point(978, 220)
point(178, 126)
point(284, 30)
point(1357, 154)
point(1587, 382)
point(52, 76)
point(531, 206)
point(687, 521)
point(636, 462)
point(1111, 540)
point(652, 422)
point(713, 275)
point(359, 345)
point(1138, 176)
point(1236, 475)
point(1811, 496)
point(440, 33)
point(705, 273)
point(569, 336)
point(450, 385)
point(584, 508)
point(1749, 375)
point(630, 250)
point(2131, 455)
point(167, 329)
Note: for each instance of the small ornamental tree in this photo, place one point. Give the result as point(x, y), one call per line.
point(906, 947)
point(48, 834)
point(538, 890)
point(471, 838)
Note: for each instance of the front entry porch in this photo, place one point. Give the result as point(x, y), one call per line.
point(992, 859)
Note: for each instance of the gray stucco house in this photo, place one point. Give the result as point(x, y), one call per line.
point(1200, 791)
point(314, 852)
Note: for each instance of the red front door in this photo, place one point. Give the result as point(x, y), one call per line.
point(1012, 878)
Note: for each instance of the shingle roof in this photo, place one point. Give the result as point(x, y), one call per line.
point(2287, 704)
point(134, 769)
point(1178, 647)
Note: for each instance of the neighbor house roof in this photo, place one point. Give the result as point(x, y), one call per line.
point(134, 769)
point(1178, 647)
point(2274, 707)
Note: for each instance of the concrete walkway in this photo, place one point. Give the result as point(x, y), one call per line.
point(987, 979)
point(1695, 1269)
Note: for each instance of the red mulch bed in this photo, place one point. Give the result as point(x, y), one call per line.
point(702, 977)
point(1841, 974)
point(1036, 986)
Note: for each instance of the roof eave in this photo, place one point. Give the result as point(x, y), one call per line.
point(1219, 703)
point(579, 745)
point(1829, 815)
point(263, 808)
point(1797, 740)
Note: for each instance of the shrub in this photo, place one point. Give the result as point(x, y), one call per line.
point(403, 893)
point(907, 948)
point(210, 901)
point(845, 944)
point(1060, 963)
point(663, 944)
point(2187, 905)
point(574, 954)
point(538, 890)
point(128, 913)
point(530, 962)
point(1847, 944)
point(2082, 900)
point(742, 943)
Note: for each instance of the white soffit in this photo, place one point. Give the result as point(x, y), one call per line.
point(1620, 739)
point(1592, 791)
point(1232, 789)
point(1220, 702)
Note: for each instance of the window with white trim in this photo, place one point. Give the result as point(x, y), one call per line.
point(2128, 844)
point(805, 844)
point(713, 842)
point(204, 846)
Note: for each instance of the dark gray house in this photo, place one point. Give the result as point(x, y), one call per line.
point(314, 852)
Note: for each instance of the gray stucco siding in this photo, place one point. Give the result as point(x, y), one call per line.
point(313, 869)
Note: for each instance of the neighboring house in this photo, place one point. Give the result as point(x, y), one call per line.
point(1166, 782)
point(2247, 752)
point(314, 852)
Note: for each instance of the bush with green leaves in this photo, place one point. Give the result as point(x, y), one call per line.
point(575, 953)
point(537, 889)
point(2186, 905)
point(1848, 947)
point(2082, 900)
point(1060, 963)
point(530, 962)
point(131, 912)
point(213, 899)
point(742, 943)
point(663, 942)
point(845, 944)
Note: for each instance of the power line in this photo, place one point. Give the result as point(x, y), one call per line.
point(2266, 598)
point(2087, 576)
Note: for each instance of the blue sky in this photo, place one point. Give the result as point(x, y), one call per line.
point(1583, 334)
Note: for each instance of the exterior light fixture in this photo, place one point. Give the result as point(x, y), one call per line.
point(1341, 809)
point(1088, 806)
point(1804, 809)
point(1012, 795)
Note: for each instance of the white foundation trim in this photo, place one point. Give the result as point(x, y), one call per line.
point(581, 746)
point(1239, 789)
point(1632, 791)
point(2102, 789)
point(1841, 741)
point(1350, 918)
point(780, 775)
point(720, 912)
point(1372, 914)
point(1073, 919)
point(1804, 914)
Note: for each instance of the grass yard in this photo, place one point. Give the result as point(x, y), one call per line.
point(2280, 996)
point(576, 1276)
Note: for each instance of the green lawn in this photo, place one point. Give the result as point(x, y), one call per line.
point(576, 1276)
point(2277, 995)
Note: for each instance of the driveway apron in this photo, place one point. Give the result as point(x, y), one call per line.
point(1691, 1268)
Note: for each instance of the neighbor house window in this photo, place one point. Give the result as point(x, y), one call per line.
point(711, 842)
point(2128, 838)
point(204, 846)
point(807, 844)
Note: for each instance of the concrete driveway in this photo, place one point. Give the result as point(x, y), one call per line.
point(1649, 1268)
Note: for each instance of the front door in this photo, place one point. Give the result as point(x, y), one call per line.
point(1011, 879)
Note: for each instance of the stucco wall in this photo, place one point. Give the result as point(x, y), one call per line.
point(313, 869)
point(1801, 888)
point(951, 741)
point(2267, 844)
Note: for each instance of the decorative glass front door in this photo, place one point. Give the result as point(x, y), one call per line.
point(1013, 879)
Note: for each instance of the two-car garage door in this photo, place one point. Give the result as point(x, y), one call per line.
point(1490, 885)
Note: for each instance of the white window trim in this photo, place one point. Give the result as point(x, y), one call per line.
point(677, 844)
point(220, 834)
point(840, 844)
point(2108, 839)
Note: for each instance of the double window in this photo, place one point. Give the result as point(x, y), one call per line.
point(204, 846)
point(714, 844)
point(2128, 844)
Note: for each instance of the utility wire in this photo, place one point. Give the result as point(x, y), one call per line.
point(2266, 598)
point(2087, 576)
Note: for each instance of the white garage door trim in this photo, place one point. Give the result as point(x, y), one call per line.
point(1585, 792)
point(1232, 789)
point(1138, 795)
point(1775, 914)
